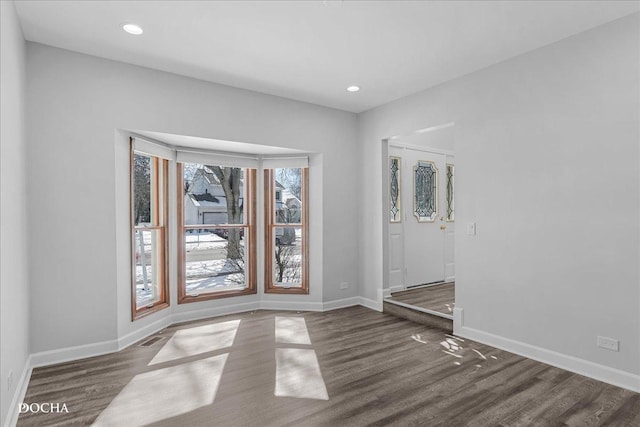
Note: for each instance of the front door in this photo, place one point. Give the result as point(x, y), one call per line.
point(417, 246)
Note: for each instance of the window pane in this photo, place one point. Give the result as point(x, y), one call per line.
point(425, 191)
point(215, 260)
point(148, 266)
point(213, 194)
point(450, 193)
point(288, 195)
point(395, 213)
point(287, 256)
point(142, 171)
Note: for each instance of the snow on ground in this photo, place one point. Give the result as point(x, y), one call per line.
point(210, 275)
point(203, 240)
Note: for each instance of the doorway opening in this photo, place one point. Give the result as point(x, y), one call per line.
point(419, 222)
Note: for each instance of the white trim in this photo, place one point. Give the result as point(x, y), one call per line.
point(386, 293)
point(188, 316)
point(153, 148)
point(397, 288)
point(135, 336)
point(290, 305)
point(19, 394)
point(68, 354)
point(340, 303)
point(369, 303)
point(420, 309)
point(188, 155)
point(426, 285)
point(593, 370)
point(285, 162)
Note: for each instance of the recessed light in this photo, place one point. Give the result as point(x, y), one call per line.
point(353, 89)
point(132, 29)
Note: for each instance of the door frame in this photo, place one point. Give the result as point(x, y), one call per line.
point(395, 141)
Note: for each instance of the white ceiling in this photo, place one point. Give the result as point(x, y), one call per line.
point(307, 51)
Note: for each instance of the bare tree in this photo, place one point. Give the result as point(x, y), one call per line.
point(142, 189)
point(288, 265)
point(230, 180)
point(291, 178)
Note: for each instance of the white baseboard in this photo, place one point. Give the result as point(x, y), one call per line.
point(135, 336)
point(187, 316)
point(593, 370)
point(386, 293)
point(369, 303)
point(340, 303)
point(291, 305)
point(68, 354)
point(19, 394)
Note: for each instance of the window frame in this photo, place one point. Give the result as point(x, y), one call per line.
point(251, 242)
point(161, 220)
point(269, 229)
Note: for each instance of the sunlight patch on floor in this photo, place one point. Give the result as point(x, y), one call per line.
point(479, 354)
point(454, 337)
point(197, 340)
point(165, 393)
point(292, 330)
point(298, 374)
point(418, 337)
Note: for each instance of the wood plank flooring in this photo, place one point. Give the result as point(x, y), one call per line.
point(378, 370)
point(440, 298)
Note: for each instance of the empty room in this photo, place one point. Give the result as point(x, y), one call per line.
point(320, 213)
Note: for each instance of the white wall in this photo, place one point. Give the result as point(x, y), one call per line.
point(14, 289)
point(547, 164)
point(77, 107)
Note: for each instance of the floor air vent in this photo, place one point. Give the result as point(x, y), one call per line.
point(151, 341)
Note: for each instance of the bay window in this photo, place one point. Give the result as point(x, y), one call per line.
point(215, 239)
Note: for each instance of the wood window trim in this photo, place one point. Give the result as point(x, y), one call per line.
point(269, 224)
point(252, 287)
point(161, 165)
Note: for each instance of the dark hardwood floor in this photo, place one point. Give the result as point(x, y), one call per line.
point(376, 369)
point(440, 298)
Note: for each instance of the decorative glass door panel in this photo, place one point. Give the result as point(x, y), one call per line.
point(450, 193)
point(395, 204)
point(425, 191)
